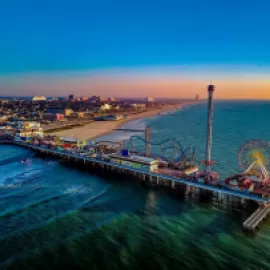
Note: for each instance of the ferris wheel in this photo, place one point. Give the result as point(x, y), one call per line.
point(254, 151)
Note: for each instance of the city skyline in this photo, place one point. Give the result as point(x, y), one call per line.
point(159, 49)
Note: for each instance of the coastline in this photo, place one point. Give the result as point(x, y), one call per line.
point(97, 129)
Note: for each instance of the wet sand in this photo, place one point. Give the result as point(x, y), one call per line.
point(99, 128)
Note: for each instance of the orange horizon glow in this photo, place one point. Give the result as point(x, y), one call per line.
point(134, 85)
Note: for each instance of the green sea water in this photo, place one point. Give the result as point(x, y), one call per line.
point(59, 217)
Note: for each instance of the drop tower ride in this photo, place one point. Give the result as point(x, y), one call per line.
point(208, 162)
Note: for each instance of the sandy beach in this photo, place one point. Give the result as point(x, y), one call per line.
point(99, 128)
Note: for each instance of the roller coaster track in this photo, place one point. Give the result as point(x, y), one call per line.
point(178, 154)
point(176, 147)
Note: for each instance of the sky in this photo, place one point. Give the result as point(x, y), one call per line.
point(135, 48)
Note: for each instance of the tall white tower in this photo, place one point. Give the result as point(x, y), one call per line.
point(208, 162)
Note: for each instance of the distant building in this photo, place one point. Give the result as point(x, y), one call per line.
point(138, 106)
point(149, 99)
point(53, 116)
point(30, 125)
point(111, 99)
point(66, 112)
point(39, 98)
point(98, 99)
point(103, 99)
point(94, 99)
point(71, 97)
point(3, 118)
point(77, 114)
point(115, 107)
point(197, 97)
point(84, 98)
point(3, 101)
point(102, 107)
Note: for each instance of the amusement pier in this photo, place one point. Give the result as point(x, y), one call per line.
point(178, 172)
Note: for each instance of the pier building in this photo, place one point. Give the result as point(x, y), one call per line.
point(137, 162)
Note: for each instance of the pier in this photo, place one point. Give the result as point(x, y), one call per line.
point(142, 174)
point(159, 180)
point(256, 218)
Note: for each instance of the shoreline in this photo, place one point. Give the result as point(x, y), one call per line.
point(97, 129)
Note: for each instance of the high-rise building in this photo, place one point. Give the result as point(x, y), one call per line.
point(197, 97)
point(71, 97)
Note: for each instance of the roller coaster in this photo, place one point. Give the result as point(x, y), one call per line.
point(170, 150)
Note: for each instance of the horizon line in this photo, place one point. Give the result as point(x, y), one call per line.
point(158, 98)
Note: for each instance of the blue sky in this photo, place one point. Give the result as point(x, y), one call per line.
point(57, 35)
point(50, 36)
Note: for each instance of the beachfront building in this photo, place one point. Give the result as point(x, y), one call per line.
point(137, 162)
point(28, 132)
point(21, 124)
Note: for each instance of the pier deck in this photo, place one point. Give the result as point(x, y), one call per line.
point(173, 180)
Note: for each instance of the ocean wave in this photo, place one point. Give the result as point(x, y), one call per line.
point(31, 205)
point(21, 177)
point(12, 158)
point(37, 221)
point(96, 196)
point(19, 192)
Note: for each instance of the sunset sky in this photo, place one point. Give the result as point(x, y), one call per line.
point(135, 48)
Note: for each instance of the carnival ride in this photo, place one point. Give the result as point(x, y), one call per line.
point(254, 152)
point(253, 157)
point(169, 150)
point(108, 147)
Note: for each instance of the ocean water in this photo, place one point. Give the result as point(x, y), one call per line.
point(58, 217)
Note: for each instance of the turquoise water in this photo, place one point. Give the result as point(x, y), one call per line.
point(58, 217)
